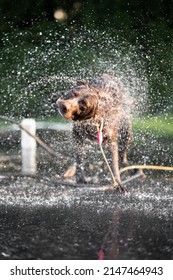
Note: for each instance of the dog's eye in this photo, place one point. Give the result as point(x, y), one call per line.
point(82, 102)
point(82, 105)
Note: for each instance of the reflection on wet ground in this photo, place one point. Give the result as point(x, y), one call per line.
point(43, 218)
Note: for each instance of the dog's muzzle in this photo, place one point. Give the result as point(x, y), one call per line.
point(66, 108)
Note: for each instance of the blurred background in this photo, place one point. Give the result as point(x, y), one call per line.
point(46, 45)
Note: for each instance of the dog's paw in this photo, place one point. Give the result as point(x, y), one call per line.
point(120, 189)
point(71, 171)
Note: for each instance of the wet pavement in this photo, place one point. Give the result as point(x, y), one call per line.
point(42, 217)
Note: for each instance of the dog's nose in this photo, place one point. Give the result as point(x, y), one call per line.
point(62, 106)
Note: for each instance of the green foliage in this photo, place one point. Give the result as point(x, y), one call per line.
point(29, 28)
point(158, 125)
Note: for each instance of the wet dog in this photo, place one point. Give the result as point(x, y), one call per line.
point(87, 104)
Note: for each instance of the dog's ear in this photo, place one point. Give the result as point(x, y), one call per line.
point(81, 82)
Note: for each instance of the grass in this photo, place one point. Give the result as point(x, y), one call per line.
point(158, 125)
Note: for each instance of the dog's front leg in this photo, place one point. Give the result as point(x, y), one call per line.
point(79, 155)
point(115, 164)
point(80, 176)
point(112, 134)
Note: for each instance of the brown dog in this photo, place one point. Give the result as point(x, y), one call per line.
point(87, 104)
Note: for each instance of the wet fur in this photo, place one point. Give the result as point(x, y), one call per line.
point(86, 104)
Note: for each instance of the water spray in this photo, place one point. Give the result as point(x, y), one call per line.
point(99, 140)
point(127, 168)
point(37, 139)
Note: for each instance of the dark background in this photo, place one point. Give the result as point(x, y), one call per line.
point(28, 25)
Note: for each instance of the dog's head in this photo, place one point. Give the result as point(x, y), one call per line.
point(80, 103)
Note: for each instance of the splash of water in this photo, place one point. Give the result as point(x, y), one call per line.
point(31, 72)
point(37, 72)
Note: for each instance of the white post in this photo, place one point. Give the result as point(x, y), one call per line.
point(28, 145)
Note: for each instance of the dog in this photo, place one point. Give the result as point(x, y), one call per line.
point(87, 104)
